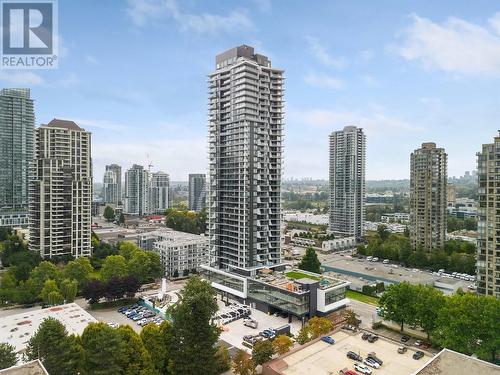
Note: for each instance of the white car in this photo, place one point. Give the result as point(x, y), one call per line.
point(371, 363)
point(113, 324)
point(362, 369)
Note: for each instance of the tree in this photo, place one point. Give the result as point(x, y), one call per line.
point(49, 287)
point(282, 344)
point(93, 291)
point(470, 324)
point(114, 265)
point(243, 364)
point(45, 271)
point(143, 266)
point(194, 349)
point(175, 274)
point(79, 270)
point(398, 303)
point(137, 358)
point(105, 351)
point(121, 218)
point(428, 302)
point(60, 354)
point(7, 355)
point(262, 351)
point(310, 261)
point(222, 359)
point(351, 318)
point(109, 213)
point(127, 249)
point(383, 232)
point(314, 328)
point(68, 290)
point(55, 298)
point(158, 342)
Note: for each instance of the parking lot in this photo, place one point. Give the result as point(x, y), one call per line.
point(234, 332)
point(113, 316)
point(321, 358)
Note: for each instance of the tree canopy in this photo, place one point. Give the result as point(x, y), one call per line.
point(310, 261)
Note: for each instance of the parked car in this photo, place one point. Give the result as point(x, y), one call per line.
point(362, 369)
point(113, 324)
point(328, 340)
point(418, 342)
point(405, 338)
point(418, 354)
point(365, 336)
point(402, 349)
point(372, 338)
point(375, 259)
point(373, 355)
point(250, 323)
point(346, 371)
point(370, 362)
point(354, 356)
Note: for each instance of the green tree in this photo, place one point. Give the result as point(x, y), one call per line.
point(7, 355)
point(470, 324)
point(43, 272)
point(121, 218)
point(194, 352)
point(105, 351)
point(55, 298)
point(310, 261)
point(315, 327)
point(428, 302)
point(114, 265)
point(127, 249)
point(68, 290)
point(243, 364)
point(262, 351)
point(138, 360)
point(282, 344)
point(109, 213)
point(60, 354)
point(158, 342)
point(383, 232)
point(79, 270)
point(222, 359)
point(398, 303)
point(50, 286)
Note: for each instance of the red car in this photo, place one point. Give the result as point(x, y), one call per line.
point(345, 371)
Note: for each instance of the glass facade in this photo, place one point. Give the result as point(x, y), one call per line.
point(17, 126)
point(295, 303)
point(223, 279)
point(335, 295)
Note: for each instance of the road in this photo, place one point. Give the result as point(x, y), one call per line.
point(365, 312)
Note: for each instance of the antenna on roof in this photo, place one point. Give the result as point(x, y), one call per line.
point(149, 163)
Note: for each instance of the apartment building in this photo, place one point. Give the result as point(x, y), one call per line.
point(428, 197)
point(488, 254)
point(112, 189)
point(137, 191)
point(17, 132)
point(197, 192)
point(347, 182)
point(159, 192)
point(61, 190)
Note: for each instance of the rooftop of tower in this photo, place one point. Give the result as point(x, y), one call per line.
point(64, 124)
point(230, 56)
point(20, 93)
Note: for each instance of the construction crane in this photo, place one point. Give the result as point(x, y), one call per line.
point(149, 163)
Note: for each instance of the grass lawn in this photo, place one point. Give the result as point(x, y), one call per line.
point(352, 294)
point(299, 275)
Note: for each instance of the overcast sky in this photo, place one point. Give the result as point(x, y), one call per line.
point(134, 74)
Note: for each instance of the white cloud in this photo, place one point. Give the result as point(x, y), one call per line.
point(324, 81)
point(375, 121)
point(454, 46)
point(321, 53)
point(21, 78)
point(143, 12)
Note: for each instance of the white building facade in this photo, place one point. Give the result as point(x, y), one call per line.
point(347, 182)
point(137, 191)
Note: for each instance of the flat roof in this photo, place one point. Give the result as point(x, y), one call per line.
point(450, 362)
point(30, 368)
point(18, 329)
point(320, 358)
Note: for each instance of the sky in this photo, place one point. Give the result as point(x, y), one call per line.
point(134, 73)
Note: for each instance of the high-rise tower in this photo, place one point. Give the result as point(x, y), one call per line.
point(245, 152)
point(17, 128)
point(197, 192)
point(61, 191)
point(347, 182)
point(428, 195)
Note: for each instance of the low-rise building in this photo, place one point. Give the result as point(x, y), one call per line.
point(397, 217)
point(34, 367)
point(179, 251)
point(303, 241)
point(339, 244)
point(297, 293)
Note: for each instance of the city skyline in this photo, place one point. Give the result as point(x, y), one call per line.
point(386, 80)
